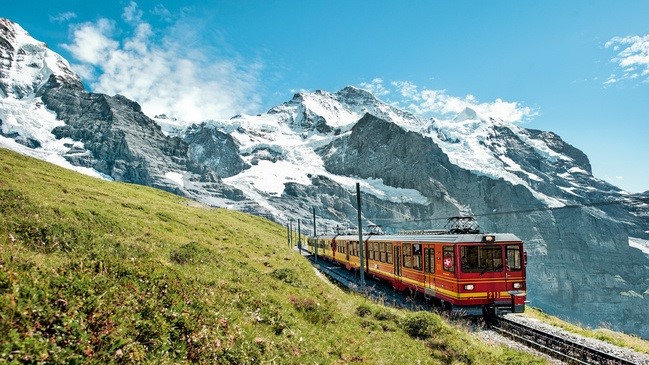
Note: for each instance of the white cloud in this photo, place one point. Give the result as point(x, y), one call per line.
point(92, 42)
point(178, 74)
point(428, 102)
point(162, 12)
point(63, 17)
point(632, 57)
point(375, 87)
point(132, 13)
point(614, 179)
point(407, 89)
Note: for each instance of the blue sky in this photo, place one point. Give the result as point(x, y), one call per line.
point(577, 68)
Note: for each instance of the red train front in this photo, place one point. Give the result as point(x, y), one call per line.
point(473, 273)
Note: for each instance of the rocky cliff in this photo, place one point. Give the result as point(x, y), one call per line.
point(580, 263)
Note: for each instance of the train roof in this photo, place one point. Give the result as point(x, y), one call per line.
point(443, 238)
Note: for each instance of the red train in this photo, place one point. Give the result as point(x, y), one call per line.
point(473, 273)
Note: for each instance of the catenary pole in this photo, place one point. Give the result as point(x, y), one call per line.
point(360, 234)
point(299, 236)
point(290, 240)
point(315, 238)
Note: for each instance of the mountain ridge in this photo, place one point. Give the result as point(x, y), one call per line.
point(309, 152)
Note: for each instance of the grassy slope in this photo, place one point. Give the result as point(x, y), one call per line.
point(96, 271)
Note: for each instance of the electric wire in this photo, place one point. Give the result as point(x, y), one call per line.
point(643, 200)
point(621, 200)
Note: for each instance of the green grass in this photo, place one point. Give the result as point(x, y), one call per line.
point(104, 272)
point(604, 334)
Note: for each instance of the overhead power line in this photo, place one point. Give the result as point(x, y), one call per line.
point(643, 200)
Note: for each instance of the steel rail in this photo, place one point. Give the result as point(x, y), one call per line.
point(376, 290)
point(557, 347)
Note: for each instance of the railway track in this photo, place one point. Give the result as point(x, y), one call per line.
point(554, 346)
point(374, 289)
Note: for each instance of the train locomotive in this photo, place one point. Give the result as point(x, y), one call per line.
point(467, 272)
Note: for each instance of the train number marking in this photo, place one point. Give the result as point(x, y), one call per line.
point(493, 295)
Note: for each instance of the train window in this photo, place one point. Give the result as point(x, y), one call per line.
point(407, 255)
point(416, 249)
point(449, 258)
point(481, 258)
point(416, 256)
point(429, 260)
point(389, 257)
point(514, 258)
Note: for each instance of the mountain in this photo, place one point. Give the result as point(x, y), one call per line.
point(588, 241)
point(45, 112)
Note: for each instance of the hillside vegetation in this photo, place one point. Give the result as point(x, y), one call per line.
point(103, 272)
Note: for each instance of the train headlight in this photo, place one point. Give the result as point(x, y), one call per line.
point(518, 285)
point(489, 238)
point(468, 287)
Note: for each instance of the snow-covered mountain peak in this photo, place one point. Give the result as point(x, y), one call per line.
point(466, 114)
point(354, 95)
point(27, 64)
point(323, 112)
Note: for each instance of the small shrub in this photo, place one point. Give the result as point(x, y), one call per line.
point(370, 325)
point(48, 238)
point(383, 314)
point(313, 311)
point(289, 276)
point(363, 310)
point(388, 327)
point(191, 253)
point(421, 325)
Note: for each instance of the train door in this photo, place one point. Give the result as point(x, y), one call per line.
point(429, 270)
point(397, 261)
point(347, 249)
point(514, 267)
point(445, 281)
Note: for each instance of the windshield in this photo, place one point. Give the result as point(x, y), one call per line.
point(481, 259)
